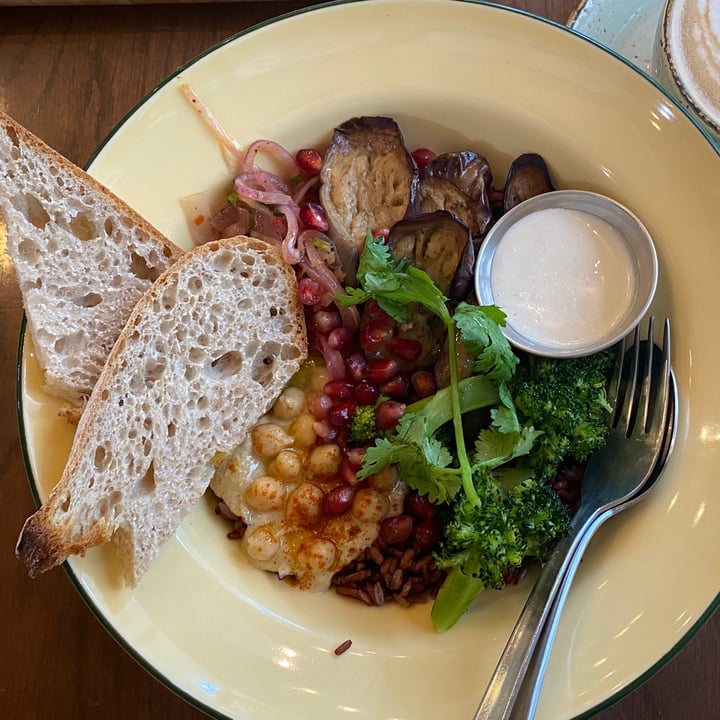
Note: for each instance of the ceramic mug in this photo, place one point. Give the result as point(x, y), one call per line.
point(686, 57)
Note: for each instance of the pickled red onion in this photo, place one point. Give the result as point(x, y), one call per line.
point(275, 150)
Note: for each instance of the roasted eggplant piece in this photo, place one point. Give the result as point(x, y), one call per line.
point(441, 245)
point(528, 176)
point(458, 182)
point(368, 181)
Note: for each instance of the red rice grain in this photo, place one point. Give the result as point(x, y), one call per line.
point(343, 647)
point(401, 573)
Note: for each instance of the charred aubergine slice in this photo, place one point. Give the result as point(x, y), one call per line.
point(441, 245)
point(528, 176)
point(368, 181)
point(458, 182)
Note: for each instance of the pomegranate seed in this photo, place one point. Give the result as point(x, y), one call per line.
point(309, 160)
point(319, 405)
point(405, 348)
point(325, 321)
point(380, 370)
point(309, 291)
point(324, 430)
point(419, 506)
point(338, 390)
point(427, 533)
point(396, 387)
point(374, 313)
point(381, 232)
point(335, 364)
point(374, 335)
point(388, 414)
point(396, 529)
point(349, 471)
point(366, 393)
point(423, 382)
point(339, 415)
point(339, 338)
point(356, 456)
point(423, 157)
point(338, 500)
point(356, 365)
point(313, 217)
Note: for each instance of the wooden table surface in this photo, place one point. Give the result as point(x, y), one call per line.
point(70, 74)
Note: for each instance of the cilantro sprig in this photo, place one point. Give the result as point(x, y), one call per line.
point(395, 286)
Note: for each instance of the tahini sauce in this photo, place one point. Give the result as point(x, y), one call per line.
point(563, 277)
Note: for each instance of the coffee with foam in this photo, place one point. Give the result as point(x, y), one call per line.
point(687, 58)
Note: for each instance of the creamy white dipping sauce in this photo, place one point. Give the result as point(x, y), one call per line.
point(563, 277)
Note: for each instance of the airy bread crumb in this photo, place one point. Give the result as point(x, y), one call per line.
point(203, 355)
point(82, 258)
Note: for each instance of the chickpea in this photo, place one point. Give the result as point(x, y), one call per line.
point(325, 459)
point(269, 439)
point(304, 505)
point(265, 493)
point(317, 555)
point(370, 506)
point(286, 466)
point(303, 431)
point(385, 480)
point(290, 404)
point(319, 377)
point(261, 544)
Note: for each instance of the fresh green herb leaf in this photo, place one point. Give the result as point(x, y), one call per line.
point(321, 243)
point(394, 285)
point(494, 447)
point(426, 464)
point(479, 326)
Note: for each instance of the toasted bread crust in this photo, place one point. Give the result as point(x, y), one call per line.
point(41, 546)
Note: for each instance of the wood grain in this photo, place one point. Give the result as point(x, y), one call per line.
point(70, 74)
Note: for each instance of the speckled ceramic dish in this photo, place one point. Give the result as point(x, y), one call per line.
point(637, 31)
point(238, 643)
point(626, 26)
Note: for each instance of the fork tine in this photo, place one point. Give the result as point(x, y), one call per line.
point(655, 388)
point(661, 396)
point(646, 377)
point(615, 385)
point(624, 408)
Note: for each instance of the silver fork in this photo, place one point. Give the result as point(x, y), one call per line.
point(613, 475)
point(529, 693)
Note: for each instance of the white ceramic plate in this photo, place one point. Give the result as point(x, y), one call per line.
point(240, 644)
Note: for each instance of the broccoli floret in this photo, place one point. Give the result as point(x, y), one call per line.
point(519, 517)
point(567, 400)
point(362, 428)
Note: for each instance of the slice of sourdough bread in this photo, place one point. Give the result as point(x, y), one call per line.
point(204, 354)
point(82, 258)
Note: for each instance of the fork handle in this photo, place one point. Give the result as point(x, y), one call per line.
point(528, 694)
point(501, 694)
